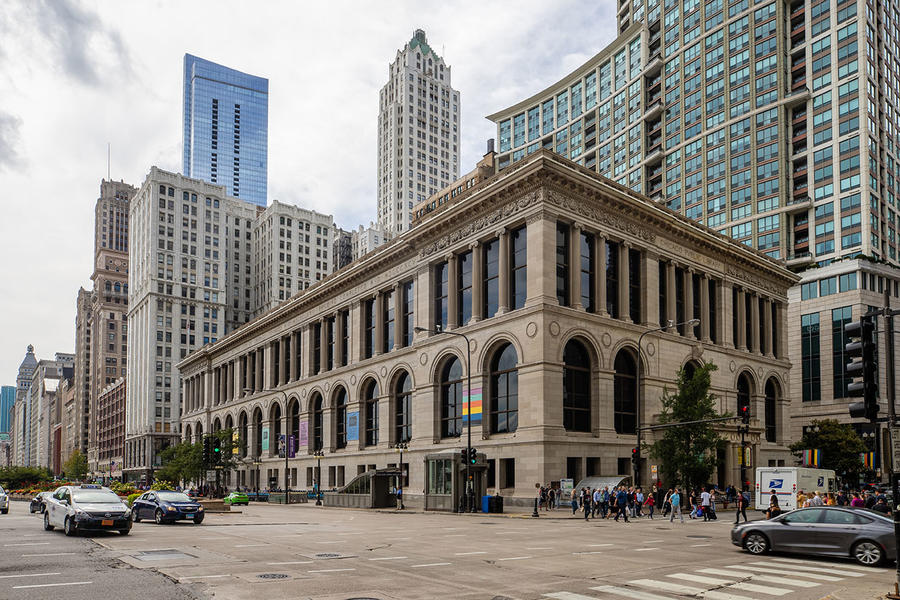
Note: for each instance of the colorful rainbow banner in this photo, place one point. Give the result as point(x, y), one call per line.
point(472, 405)
point(811, 458)
point(867, 459)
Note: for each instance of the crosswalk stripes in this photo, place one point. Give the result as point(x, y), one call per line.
point(759, 580)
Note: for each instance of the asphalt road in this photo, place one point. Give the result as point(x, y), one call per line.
point(308, 552)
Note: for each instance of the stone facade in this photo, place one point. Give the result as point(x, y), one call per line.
point(343, 368)
point(110, 424)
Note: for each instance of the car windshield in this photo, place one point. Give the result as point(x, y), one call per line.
point(94, 497)
point(173, 497)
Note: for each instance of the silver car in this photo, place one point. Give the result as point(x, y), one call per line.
point(864, 535)
point(4, 501)
point(86, 508)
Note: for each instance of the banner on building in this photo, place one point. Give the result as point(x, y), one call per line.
point(867, 459)
point(304, 433)
point(353, 426)
point(292, 446)
point(472, 405)
point(811, 458)
point(265, 439)
point(743, 456)
point(235, 443)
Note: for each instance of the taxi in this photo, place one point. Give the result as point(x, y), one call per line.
point(77, 508)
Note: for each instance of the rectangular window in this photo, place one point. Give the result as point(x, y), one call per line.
point(329, 341)
point(713, 317)
point(388, 315)
point(508, 468)
point(491, 295)
point(809, 341)
point(344, 317)
point(663, 294)
point(408, 310)
point(588, 271)
point(441, 291)
point(634, 285)
point(369, 325)
point(612, 279)
point(839, 318)
point(317, 348)
point(464, 285)
point(562, 264)
point(518, 265)
point(679, 298)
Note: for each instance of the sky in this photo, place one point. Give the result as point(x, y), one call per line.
point(76, 76)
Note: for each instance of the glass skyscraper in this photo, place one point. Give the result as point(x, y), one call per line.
point(7, 399)
point(226, 128)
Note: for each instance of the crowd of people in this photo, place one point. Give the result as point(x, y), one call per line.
point(872, 500)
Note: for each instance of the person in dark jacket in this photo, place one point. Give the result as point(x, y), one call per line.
point(622, 503)
point(743, 499)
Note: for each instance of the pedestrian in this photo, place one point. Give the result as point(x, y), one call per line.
point(622, 504)
point(841, 499)
point(857, 502)
point(692, 500)
point(650, 503)
point(551, 497)
point(586, 503)
point(881, 506)
point(574, 501)
point(704, 504)
point(674, 500)
point(816, 499)
point(604, 503)
point(712, 505)
point(742, 501)
point(638, 502)
point(595, 502)
point(400, 499)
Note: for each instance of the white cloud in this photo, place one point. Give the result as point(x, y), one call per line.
point(75, 76)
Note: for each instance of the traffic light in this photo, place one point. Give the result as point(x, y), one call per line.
point(216, 455)
point(464, 455)
point(862, 368)
point(745, 414)
point(473, 456)
point(207, 447)
point(635, 457)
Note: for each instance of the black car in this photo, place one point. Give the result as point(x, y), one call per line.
point(37, 503)
point(166, 506)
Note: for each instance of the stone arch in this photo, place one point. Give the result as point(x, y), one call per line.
point(317, 389)
point(198, 431)
point(441, 360)
point(490, 347)
point(217, 425)
point(187, 432)
point(587, 340)
point(690, 367)
point(751, 377)
point(626, 372)
point(394, 373)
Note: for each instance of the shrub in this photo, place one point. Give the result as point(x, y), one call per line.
point(160, 484)
point(131, 497)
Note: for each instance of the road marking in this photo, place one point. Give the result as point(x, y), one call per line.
point(390, 558)
point(456, 535)
point(804, 568)
point(469, 553)
point(651, 541)
point(431, 565)
point(293, 562)
point(334, 542)
point(203, 577)
point(387, 540)
point(756, 577)
point(27, 544)
point(700, 579)
point(29, 575)
point(249, 545)
point(515, 558)
point(548, 548)
point(794, 561)
point(350, 533)
point(329, 570)
point(644, 549)
point(568, 596)
point(43, 585)
point(699, 545)
point(761, 589)
point(590, 552)
point(788, 572)
point(713, 595)
point(667, 586)
point(49, 554)
point(628, 593)
point(599, 545)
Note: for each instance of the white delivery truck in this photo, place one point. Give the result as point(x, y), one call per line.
point(787, 482)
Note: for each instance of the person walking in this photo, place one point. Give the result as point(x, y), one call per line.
point(586, 503)
point(638, 502)
point(650, 503)
point(675, 503)
point(743, 499)
point(595, 503)
point(400, 499)
point(574, 501)
point(704, 504)
point(551, 497)
point(604, 503)
point(816, 499)
point(622, 504)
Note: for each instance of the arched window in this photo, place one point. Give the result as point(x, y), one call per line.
point(243, 434)
point(316, 404)
point(257, 428)
point(576, 387)
point(771, 411)
point(217, 425)
point(504, 390)
point(117, 287)
point(625, 393)
point(689, 369)
point(198, 432)
point(340, 417)
point(370, 401)
point(229, 422)
point(403, 408)
point(743, 392)
point(294, 422)
point(275, 440)
point(187, 433)
point(451, 399)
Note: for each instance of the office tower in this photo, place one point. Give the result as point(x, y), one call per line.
point(110, 417)
point(418, 133)
point(292, 250)
point(43, 431)
point(7, 399)
point(226, 128)
point(341, 249)
point(774, 124)
point(21, 438)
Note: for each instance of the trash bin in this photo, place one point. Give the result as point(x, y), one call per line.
point(496, 504)
point(486, 504)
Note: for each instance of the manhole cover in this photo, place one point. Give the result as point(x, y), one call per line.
point(700, 537)
point(162, 555)
point(273, 576)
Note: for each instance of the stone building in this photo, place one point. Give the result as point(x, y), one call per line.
point(552, 273)
point(110, 423)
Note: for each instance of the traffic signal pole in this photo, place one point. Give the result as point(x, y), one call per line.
point(891, 385)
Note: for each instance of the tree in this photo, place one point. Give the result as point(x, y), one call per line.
point(839, 448)
point(181, 462)
point(687, 453)
point(22, 477)
point(76, 468)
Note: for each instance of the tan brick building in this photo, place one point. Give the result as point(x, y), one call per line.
point(553, 273)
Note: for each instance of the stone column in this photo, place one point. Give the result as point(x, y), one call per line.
point(704, 308)
point(781, 323)
point(477, 281)
point(767, 328)
point(229, 390)
point(600, 277)
point(575, 267)
point(338, 340)
point(309, 370)
point(741, 341)
point(269, 381)
point(504, 266)
point(624, 283)
point(755, 341)
point(671, 297)
point(452, 292)
point(689, 301)
point(649, 288)
point(323, 345)
point(541, 250)
point(294, 359)
point(261, 369)
point(283, 360)
point(724, 312)
point(399, 324)
point(379, 324)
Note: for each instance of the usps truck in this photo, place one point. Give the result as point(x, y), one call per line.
point(787, 482)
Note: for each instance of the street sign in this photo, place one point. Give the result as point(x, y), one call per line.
point(895, 448)
point(211, 475)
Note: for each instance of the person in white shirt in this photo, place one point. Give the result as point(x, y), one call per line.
point(816, 500)
point(704, 502)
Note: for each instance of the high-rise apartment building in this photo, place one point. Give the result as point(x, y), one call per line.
point(21, 439)
point(292, 251)
point(44, 417)
point(226, 128)
point(7, 399)
point(773, 123)
point(365, 239)
point(110, 418)
point(84, 355)
point(341, 249)
point(418, 132)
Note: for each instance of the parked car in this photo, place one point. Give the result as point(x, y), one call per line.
point(166, 506)
point(38, 502)
point(236, 498)
point(4, 501)
point(864, 535)
point(86, 508)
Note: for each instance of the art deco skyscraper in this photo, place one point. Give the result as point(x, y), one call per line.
point(418, 132)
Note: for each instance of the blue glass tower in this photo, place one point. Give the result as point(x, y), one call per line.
point(7, 399)
point(226, 128)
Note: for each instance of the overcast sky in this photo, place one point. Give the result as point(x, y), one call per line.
point(75, 76)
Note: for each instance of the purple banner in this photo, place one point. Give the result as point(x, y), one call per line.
point(304, 433)
point(292, 446)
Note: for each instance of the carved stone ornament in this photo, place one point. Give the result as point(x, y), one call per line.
point(752, 280)
point(697, 351)
point(651, 348)
point(327, 385)
point(423, 359)
point(606, 339)
point(303, 393)
point(554, 328)
point(473, 345)
point(605, 217)
point(531, 329)
point(353, 380)
point(732, 366)
point(383, 371)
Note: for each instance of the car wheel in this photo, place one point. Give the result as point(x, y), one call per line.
point(198, 520)
point(868, 553)
point(135, 517)
point(159, 516)
point(756, 543)
point(69, 527)
point(47, 525)
point(124, 531)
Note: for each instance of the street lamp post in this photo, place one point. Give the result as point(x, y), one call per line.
point(257, 463)
point(470, 506)
point(637, 462)
point(400, 447)
point(318, 479)
point(287, 495)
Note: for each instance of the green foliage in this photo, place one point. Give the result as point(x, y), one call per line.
point(162, 484)
point(181, 462)
point(23, 477)
point(76, 467)
point(687, 453)
point(839, 446)
point(133, 497)
point(122, 489)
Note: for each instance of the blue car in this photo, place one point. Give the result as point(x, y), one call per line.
point(166, 506)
